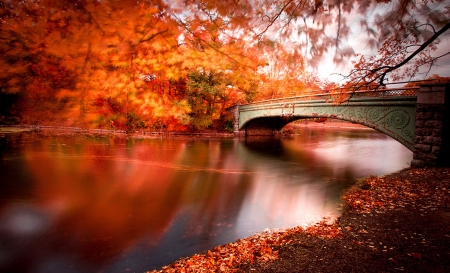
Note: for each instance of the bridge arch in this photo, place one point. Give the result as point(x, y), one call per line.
point(393, 116)
point(271, 125)
point(419, 118)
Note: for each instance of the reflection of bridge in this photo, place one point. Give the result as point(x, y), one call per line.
point(416, 117)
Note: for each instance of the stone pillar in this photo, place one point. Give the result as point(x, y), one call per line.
point(235, 111)
point(432, 128)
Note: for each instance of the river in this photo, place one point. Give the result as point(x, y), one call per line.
point(78, 202)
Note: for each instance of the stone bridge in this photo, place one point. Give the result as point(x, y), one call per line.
point(417, 117)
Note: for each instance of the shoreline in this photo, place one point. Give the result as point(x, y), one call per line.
point(333, 124)
point(205, 133)
point(395, 222)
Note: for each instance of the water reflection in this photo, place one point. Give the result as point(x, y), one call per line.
point(88, 203)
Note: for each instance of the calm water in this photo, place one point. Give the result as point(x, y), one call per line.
point(91, 203)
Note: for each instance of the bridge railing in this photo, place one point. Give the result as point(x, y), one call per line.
point(339, 97)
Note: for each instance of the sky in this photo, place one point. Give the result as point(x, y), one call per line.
point(329, 70)
point(356, 40)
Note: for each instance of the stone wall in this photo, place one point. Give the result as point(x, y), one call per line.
point(432, 127)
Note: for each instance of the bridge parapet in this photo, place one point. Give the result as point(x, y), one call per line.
point(339, 97)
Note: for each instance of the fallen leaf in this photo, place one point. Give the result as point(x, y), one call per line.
point(392, 260)
point(415, 255)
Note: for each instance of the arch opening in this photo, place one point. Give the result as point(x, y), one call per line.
point(272, 125)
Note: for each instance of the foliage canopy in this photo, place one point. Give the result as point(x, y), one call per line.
point(139, 64)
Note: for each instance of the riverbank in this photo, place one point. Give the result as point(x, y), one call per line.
point(399, 222)
point(326, 123)
point(291, 128)
point(5, 129)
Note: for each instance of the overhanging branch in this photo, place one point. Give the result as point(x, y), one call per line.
point(389, 69)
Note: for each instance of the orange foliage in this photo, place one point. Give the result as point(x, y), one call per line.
point(285, 74)
point(60, 57)
point(86, 61)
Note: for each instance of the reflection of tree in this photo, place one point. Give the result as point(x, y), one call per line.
point(294, 185)
point(106, 193)
point(116, 191)
point(216, 192)
point(304, 156)
point(101, 195)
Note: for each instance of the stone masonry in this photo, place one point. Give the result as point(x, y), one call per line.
point(234, 110)
point(432, 127)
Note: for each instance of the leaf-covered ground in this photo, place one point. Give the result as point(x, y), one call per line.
point(396, 223)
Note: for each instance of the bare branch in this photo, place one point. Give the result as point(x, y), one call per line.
point(153, 36)
point(389, 69)
point(274, 19)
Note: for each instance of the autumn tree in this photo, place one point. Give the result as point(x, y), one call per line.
point(74, 52)
point(87, 61)
point(204, 92)
point(286, 73)
point(406, 32)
